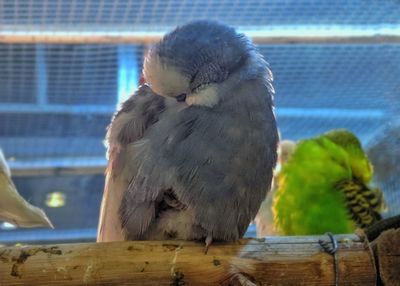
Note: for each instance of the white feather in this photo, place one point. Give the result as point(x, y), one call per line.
point(13, 207)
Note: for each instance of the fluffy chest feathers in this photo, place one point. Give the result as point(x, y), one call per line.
point(214, 162)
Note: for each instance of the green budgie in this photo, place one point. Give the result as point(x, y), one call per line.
point(324, 187)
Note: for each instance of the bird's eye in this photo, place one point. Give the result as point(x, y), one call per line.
point(181, 97)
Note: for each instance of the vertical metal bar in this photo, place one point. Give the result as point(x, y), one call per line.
point(128, 75)
point(41, 75)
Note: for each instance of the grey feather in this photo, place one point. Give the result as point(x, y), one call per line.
point(125, 131)
point(193, 171)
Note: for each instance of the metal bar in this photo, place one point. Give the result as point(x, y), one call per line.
point(64, 235)
point(47, 236)
point(41, 75)
point(330, 34)
point(128, 74)
point(58, 166)
point(331, 113)
point(57, 108)
point(109, 109)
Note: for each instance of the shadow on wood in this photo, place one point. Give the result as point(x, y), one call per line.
point(271, 261)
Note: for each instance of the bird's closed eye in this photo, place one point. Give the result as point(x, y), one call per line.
point(181, 97)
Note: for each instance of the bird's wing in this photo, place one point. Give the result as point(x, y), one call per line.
point(364, 203)
point(221, 159)
point(124, 135)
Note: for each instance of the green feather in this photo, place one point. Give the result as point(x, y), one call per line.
point(307, 200)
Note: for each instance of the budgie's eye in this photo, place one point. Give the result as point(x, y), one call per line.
point(181, 97)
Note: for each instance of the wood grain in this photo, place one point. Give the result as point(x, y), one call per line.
point(270, 261)
point(387, 253)
point(33, 36)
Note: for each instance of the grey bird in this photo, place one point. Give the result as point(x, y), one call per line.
point(13, 207)
point(191, 153)
point(384, 153)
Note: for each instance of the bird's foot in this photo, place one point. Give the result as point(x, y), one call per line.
point(360, 233)
point(171, 200)
point(208, 243)
point(239, 279)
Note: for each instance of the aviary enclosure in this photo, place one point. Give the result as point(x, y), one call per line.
point(67, 66)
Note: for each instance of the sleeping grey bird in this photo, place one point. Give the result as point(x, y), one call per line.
point(191, 153)
point(13, 207)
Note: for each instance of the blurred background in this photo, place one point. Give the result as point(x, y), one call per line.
point(66, 65)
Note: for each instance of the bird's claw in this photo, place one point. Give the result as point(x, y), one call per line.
point(238, 279)
point(360, 233)
point(208, 243)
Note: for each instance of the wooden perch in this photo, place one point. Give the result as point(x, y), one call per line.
point(387, 255)
point(115, 35)
point(270, 261)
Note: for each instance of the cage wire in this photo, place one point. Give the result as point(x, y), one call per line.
point(57, 99)
point(142, 15)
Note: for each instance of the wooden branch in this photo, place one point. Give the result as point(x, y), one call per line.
point(387, 253)
point(120, 35)
point(79, 38)
point(114, 38)
point(273, 261)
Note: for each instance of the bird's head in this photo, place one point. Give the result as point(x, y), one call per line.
point(359, 162)
point(190, 62)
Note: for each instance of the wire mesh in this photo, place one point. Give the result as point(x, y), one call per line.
point(57, 99)
point(155, 15)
